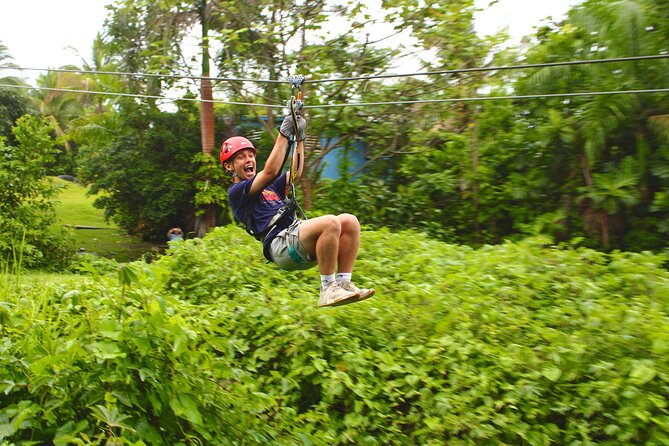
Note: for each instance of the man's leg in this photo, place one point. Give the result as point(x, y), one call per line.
point(349, 242)
point(320, 237)
point(333, 240)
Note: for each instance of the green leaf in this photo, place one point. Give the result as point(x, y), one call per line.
point(320, 364)
point(106, 350)
point(611, 429)
point(642, 373)
point(552, 373)
point(127, 275)
point(8, 386)
point(111, 329)
point(180, 344)
point(412, 380)
point(187, 406)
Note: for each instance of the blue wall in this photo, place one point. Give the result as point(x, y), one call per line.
point(356, 158)
point(355, 151)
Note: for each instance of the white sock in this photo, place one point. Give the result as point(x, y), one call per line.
point(344, 277)
point(327, 279)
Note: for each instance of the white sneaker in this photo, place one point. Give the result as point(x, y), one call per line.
point(365, 293)
point(334, 295)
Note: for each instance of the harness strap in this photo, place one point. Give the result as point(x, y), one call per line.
point(289, 207)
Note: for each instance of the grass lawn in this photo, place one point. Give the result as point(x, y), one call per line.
point(92, 234)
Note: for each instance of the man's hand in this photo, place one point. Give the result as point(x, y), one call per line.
point(289, 128)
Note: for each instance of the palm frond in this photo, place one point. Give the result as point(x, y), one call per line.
point(5, 62)
point(629, 26)
point(545, 79)
point(602, 115)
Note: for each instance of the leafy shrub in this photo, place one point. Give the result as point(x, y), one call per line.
point(109, 362)
point(27, 205)
point(144, 173)
point(13, 105)
point(521, 343)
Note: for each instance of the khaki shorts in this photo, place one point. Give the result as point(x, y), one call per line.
point(287, 250)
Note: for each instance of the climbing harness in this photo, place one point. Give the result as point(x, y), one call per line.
point(291, 206)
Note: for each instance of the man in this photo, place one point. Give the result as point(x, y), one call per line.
point(175, 234)
point(258, 200)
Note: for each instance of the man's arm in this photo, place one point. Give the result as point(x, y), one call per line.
point(272, 167)
point(288, 129)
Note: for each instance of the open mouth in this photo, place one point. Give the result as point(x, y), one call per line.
point(249, 169)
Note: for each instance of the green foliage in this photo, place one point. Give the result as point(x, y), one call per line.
point(145, 174)
point(521, 343)
point(614, 190)
point(579, 167)
point(27, 205)
point(600, 154)
point(212, 188)
point(13, 105)
point(125, 374)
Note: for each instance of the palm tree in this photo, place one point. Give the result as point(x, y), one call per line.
point(602, 125)
point(14, 102)
point(610, 193)
point(60, 107)
point(206, 221)
point(148, 36)
point(6, 62)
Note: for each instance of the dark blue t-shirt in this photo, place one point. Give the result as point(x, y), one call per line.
point(262, 206)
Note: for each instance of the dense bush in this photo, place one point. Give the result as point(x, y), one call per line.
point(27, 204)
point(144, 172)
point(520, 343)
point(13, 105)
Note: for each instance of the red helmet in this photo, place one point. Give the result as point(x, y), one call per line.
point(234, 145)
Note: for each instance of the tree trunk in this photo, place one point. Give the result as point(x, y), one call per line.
point(604, 218)
point(585, 169)
point(475, 182)
point(205, 222)
point(207, 115)
point(307, 196)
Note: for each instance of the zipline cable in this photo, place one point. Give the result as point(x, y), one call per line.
point(142, 96)
point(356, 78)
point(361, 104)
point(493, 98)
point(150, 75)
point(497, 68)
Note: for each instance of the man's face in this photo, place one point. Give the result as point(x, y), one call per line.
point(244, 164)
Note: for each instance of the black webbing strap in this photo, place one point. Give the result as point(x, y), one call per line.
point(289, 207)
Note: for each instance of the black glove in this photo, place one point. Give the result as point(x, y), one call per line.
point(289, 128)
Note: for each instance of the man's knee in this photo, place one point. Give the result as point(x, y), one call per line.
point(349, 222)
point(325, 224)
point(331, 223)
